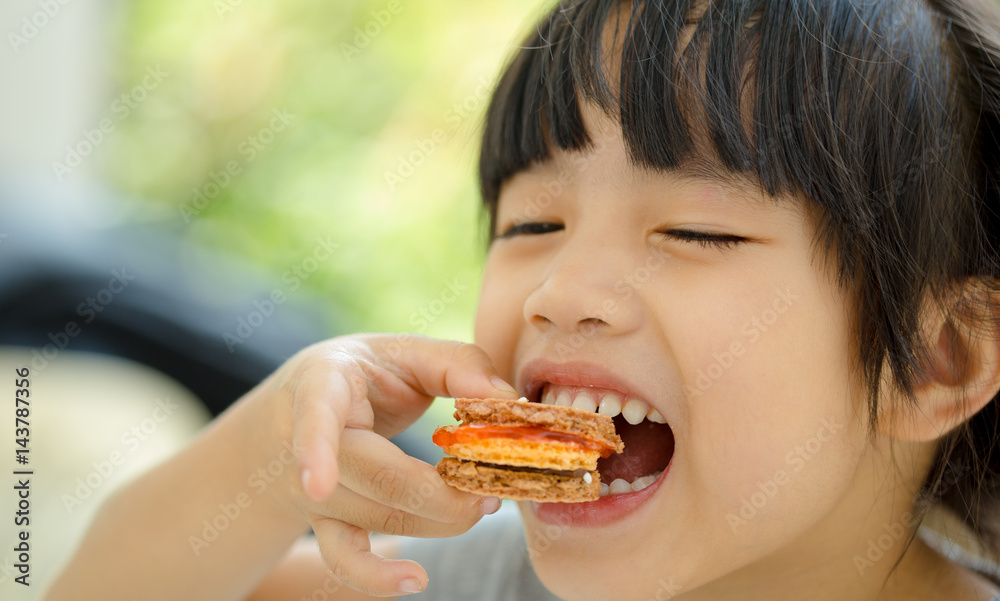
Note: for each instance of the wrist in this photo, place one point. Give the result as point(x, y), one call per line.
point(270, 462)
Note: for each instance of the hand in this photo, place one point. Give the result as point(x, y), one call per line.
point(338, 401)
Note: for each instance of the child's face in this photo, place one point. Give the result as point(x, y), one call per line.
point(743, 350)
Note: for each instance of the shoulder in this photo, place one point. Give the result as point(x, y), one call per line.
point(957, 573)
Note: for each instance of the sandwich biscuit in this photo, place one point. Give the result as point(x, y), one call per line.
point(526, 451)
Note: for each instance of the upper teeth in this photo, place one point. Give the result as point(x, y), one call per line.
point(604, 402)
point(611, 405)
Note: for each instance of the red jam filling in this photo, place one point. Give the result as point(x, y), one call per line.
point(465, 434)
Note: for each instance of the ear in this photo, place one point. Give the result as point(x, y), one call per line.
point(958, 370)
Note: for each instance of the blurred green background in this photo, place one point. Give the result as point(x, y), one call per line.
point(384, 103)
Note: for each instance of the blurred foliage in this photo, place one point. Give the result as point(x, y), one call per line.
point(369, 86)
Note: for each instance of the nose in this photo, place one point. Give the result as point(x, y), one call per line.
point(585, 289)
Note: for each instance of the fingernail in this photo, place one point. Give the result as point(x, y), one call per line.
point(410, 585)
point(499, 384)
point(489, 505)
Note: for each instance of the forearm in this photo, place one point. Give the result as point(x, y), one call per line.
point(200, 526)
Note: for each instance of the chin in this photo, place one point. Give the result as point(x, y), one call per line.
point(584, 579)
point(577, 564)
point(580, 563)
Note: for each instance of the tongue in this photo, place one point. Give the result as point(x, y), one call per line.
point(648, 449)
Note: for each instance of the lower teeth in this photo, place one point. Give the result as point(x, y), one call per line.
point(619, 486)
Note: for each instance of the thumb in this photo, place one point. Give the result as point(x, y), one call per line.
point(443, 368)
point(467, 372)
point(424, 368)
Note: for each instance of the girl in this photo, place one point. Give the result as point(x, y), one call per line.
point(761, 235)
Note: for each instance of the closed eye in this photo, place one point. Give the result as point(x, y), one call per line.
point(531, 228)
point(720, 241)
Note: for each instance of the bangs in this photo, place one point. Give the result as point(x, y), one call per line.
point(834, 100)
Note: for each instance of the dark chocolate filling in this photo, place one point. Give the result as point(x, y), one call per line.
point(534, 470)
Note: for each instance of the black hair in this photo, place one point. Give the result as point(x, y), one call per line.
point(885, 114)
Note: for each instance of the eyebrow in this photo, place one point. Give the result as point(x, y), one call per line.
point(739, 186)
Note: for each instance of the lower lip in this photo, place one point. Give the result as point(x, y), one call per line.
point(602, 512)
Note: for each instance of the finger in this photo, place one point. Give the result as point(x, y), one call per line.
point(376, 469)
point(447, 368)
point(347, 552)
point(321, 409)
point(353, 508)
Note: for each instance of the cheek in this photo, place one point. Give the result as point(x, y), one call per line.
point(773, 436)
point(499, 316)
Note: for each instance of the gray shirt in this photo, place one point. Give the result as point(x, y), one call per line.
point(488, 563)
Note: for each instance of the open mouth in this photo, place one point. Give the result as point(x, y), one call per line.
point(649, 440)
